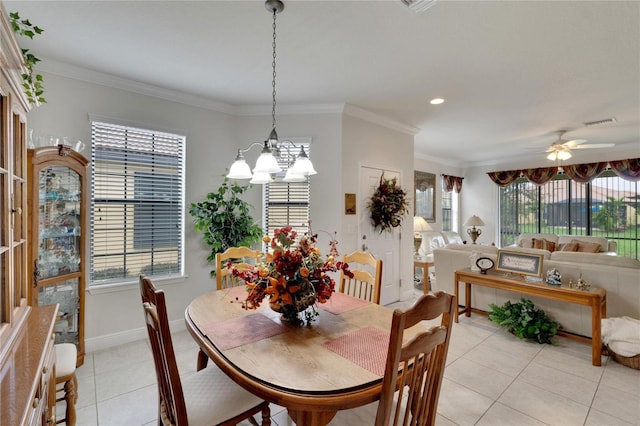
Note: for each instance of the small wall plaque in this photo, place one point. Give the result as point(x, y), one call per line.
point(349, 203)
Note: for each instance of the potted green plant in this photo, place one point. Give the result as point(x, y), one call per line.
point(224, 219)
point(525, 320)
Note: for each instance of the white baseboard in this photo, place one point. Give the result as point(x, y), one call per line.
point(107, 341)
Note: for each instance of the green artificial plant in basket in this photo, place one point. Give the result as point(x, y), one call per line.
point(525, 320)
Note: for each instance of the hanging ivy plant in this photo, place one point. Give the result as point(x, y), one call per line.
point(388, 205)
point(31, 81)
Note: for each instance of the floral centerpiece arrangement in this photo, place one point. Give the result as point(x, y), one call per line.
point(294, 276)
point(388, 205)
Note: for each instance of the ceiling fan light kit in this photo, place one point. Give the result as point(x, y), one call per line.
point(561, 149)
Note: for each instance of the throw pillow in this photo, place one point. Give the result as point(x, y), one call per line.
point(585, 247)
point(567, 247)
point(526, 243)
point(543, 244)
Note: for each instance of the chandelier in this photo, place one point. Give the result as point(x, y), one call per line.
point(267, 162)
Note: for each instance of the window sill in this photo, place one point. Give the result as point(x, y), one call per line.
point(130, 285)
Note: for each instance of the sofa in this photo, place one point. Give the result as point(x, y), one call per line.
point(619, 276)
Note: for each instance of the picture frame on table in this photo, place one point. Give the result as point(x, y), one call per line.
point(425, 195)
point(515, 262)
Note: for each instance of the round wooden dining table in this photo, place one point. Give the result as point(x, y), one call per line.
point(335, 363)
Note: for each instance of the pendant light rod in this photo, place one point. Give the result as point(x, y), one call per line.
point(267, 163)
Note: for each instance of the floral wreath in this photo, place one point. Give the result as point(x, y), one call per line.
point(388, 205)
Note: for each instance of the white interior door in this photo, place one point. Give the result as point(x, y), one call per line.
point(386, 245)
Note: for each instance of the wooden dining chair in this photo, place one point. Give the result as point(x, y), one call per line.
point(414, 370)
point(224, 278)
point(206, 397)
point(366, 283)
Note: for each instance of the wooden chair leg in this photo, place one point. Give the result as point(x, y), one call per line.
point(266, 415)
point(203, 358)
point(70, 397)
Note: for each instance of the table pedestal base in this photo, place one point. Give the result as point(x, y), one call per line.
point(311, 418)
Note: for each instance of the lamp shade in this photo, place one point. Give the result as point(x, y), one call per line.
point(261, 177)
point(474, 221)
point(292, 176)
point(420, 225)
point(266, 163)
point(239, 170)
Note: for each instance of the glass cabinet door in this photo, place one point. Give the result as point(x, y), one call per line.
point(59, 222)
point(66, 294)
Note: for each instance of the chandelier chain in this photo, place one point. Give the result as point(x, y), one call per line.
point(273, 81)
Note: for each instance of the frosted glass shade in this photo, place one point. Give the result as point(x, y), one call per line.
point(239, 170)
point(266, 163)
point(261, 177)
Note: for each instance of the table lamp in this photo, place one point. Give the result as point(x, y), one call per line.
point(419, 225)
point(474, 233)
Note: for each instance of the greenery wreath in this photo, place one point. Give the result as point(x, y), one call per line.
point(388, 205)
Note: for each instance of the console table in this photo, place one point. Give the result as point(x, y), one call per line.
point(596, 298)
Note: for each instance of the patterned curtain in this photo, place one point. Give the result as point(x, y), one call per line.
point(540, 176)
point(504, 178)
point(583, 173)
point(627, 169)
point(452, 182)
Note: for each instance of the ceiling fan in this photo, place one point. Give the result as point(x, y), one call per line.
point(561, 149)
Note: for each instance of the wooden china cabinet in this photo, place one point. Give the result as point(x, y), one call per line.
point(27, 371)
point(57, 192)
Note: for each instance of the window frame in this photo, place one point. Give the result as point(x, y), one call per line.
point(149, 151)
point(287, 156)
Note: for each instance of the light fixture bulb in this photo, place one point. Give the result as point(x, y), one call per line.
point(564, 155)
point(436, 101)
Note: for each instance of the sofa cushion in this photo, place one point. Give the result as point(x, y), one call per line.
point(530, 236)
point(473, 247)
point(602, 242)
point(543, 244)
point(546, 254)
point(587, 247)
point(567, 247)
point(452, 237)
point(595, 259)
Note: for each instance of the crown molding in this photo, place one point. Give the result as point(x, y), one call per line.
point(90, 76)
point(83, 74)
point(381, 120)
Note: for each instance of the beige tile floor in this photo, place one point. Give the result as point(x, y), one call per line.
point(492, 378)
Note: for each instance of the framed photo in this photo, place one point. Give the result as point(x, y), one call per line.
point(425, 201)
point(519, 263)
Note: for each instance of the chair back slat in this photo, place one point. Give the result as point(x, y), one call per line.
point(172, 409)
point(367, 276)
point(240, 255)
point(415, 368)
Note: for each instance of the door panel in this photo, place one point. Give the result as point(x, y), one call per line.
point(386, 245)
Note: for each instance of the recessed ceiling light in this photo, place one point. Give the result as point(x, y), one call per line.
point(437, 101)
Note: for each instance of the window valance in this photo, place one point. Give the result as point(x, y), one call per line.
point(626, 169)
point(451, 183)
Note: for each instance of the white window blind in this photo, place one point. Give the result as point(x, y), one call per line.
point(287, 203)
point(136, 204)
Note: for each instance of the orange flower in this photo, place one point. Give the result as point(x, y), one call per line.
point(304, 272)
point(266, 239)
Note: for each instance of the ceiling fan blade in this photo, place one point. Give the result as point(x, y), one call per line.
point(574, 142)
point(595, 145)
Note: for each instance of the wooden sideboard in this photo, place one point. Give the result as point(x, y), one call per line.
point(27, 372)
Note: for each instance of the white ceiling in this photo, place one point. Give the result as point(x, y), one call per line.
point(512, 72)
